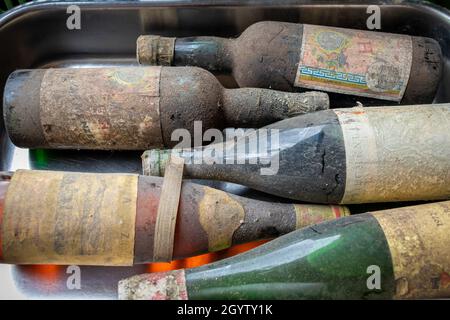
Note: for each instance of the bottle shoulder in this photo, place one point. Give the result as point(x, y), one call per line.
point(328, 260)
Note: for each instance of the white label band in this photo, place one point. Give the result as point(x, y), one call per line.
point(396, 153)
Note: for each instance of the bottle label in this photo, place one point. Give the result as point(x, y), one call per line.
point(69, 218)
point(363, 63)
point(309, 214)
point(220, 216)
point(419, 242)
point(396, 153)
point(154, 286)
point(101, 108)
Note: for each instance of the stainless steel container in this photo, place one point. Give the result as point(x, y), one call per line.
point(36, 35)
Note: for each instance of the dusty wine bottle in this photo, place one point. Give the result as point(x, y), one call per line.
point(134, 108)
point(50, 217)
point(289, 56)
point(353, 155)
point(400, 253)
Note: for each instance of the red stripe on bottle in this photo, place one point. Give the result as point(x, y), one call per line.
point(337, 211)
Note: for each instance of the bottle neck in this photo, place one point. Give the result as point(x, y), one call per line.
point(255, 107)
point(214, 218)
point(244, 153)
point(218, 161)
point(211, 53)
point(328, 261)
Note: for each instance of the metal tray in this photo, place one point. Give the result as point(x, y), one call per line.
point(35, 35)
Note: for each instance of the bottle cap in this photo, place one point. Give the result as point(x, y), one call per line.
point(155, 50)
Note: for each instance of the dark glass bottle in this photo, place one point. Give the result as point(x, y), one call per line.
point(134, 108)
point(353, 155)
point(273, 55)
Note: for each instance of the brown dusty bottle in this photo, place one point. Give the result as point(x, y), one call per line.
point(351, 155)
point(291, 57)
point(134, 108)
point(51, 217)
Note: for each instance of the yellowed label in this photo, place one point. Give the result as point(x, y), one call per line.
point(70, 218)
point(220, 216)
point(363, 63)
point(101, 108)
point(396, 153)
point(309, 214)
point(419, 241)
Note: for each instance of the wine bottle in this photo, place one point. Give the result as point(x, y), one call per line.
point(50, 217)
point(353, 155)
point(289, 56)
point(134, 108)
point(400, 253)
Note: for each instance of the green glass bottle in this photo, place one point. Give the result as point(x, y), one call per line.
point(397, 253)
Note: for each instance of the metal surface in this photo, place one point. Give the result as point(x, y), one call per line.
point(35, 35)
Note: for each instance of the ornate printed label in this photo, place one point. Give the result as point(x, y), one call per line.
point(363, 63)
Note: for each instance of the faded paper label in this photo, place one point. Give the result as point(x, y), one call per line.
point(419, 242)
point(70, 218)
point(363, 63)
point(101, 108)
point(220, 216)
point(169, 285)
point(309, 214)
point(396, 153)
